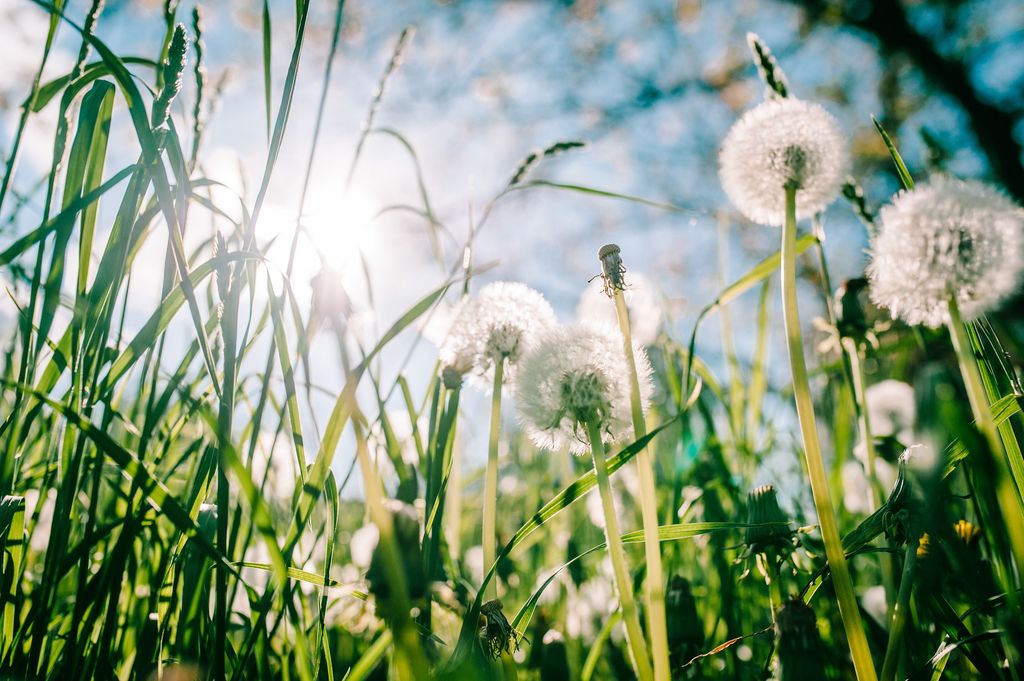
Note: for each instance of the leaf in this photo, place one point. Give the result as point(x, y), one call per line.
point(369, 660)
point(1002, 409)
point(295, 573)
point(12, 533)
point(665, 533)
point(593, 191)
point(165, 312)
point(159, 496)
point(901, 168)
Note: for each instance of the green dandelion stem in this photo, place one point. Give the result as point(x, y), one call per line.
point(860, 393)
point(634, 635)
point(491, 478)
point(815, 463)
point(654, 592)
point(774, 580)
point(875, 494)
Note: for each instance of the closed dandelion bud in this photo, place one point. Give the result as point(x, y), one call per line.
point(763, 509)
point(330, 300)
point(500, 324)
point(554, 663)
point(946, 238)
point(685, 628)
point(496, 635)
point(801, 656)
point(850, 317)
point(778, 144)
point(577, 375)
point(406, 526)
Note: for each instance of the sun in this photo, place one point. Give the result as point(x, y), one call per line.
point(335, 231)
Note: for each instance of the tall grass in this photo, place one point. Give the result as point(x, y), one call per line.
point(177, 510)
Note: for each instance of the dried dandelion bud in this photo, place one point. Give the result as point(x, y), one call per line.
point(798, 643)
point(576, 375)
point(778, 144)
point(500, 323)
point(613, 272)
point(496, 635)
point(946, 238)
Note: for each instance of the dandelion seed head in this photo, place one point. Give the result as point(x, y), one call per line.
point(779, 143)
point(947, 237)
point(892, 409)
point(576, 374)
point(500, 323)
point(642, 302)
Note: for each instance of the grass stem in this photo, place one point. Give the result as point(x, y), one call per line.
point(841, 580)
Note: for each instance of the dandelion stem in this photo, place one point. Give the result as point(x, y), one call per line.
point(491, 478)
point(899, 614)
point(1009, 499)
point(815, 464)
point(874, 493)
point(774, 584)
point(860, 393)
point(655, 583)
point(634, 635)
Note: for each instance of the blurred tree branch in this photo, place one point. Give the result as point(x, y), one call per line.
point(887, 21)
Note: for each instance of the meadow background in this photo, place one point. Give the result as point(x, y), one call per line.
point(347, 155)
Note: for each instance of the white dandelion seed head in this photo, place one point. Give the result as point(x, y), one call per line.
point(892, 409)
point(501, 322)
point(947, 237)
point(363, 544)
point(778, 143)
point(574, 374)
point(642, 301)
